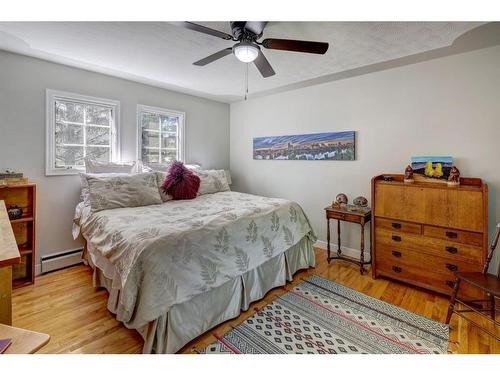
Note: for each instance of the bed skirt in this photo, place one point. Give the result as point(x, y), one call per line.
point(188, 320)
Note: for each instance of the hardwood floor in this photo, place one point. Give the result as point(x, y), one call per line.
point(65, 305)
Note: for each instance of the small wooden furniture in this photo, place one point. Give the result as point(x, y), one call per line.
point(9, 255)
point(24, 196)
point(488, 283)
point(358, 217)
point(23, 341)
point(424, 232)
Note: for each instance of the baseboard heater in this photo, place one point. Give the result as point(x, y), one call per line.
point(60, 260)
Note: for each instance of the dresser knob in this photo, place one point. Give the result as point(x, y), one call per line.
point(451, 267)
point(451, 234)
point(396, 269)
point(450, 283)
point(397, 254)
point(396, 225)
point(451, 249)
point(396, 238)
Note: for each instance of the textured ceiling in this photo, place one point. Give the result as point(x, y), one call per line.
point(162, 54)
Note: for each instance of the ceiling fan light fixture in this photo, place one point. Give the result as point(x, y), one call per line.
point(246, 52)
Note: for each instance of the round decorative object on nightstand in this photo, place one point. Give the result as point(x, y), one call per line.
point(360, 202)
point(341, 198)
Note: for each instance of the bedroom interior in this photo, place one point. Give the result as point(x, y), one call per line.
point(249, 187)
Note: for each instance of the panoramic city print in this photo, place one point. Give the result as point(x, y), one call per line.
point(318, 146)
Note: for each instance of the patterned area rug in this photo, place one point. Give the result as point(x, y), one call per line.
point(320, 316)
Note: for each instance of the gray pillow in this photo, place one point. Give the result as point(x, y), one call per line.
point(123, 191)
point(212, 181)
point(161, 177)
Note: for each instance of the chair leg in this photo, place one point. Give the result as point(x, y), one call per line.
point(451, 306)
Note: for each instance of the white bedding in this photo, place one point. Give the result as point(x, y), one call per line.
point(163, 255)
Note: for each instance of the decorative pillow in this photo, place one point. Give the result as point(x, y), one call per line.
point(94, 166)
point(123, 191)
point(84, 193)
point(161, 176)
point(180, 183)
point(163, 167)
point(212, 181)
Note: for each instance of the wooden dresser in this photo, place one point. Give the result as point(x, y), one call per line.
point(423, 232)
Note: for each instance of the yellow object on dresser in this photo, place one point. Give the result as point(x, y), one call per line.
point(423, 232)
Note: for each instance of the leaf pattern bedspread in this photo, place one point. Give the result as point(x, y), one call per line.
point(168, 253)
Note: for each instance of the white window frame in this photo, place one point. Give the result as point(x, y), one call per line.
point(181, 141)
point(50, 149)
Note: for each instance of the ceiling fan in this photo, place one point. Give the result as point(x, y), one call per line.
point(247, 50)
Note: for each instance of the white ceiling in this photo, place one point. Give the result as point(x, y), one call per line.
point(162, 54)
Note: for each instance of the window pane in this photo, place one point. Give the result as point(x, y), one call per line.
point(98, 115)
point(169, 123)
point(150, 155)
point(69, 156)
point(68, 111)
point(168, 141)
point(168, 155)
point(98, 136)
point(150, 121)
point(69, 133)
point(150, 139)
point(99, 153)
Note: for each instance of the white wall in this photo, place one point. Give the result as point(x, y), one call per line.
point(446, 106)
point(23, 81)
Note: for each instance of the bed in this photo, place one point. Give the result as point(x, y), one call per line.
point(175, 270)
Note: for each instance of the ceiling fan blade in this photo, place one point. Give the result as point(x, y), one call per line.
point(263, 65)
point(256, 27)
point(204, 30)
point(296, 45)
point(215, 56)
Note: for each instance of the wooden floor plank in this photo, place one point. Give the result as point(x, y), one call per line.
point(66, 306)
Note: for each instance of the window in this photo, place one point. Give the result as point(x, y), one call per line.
point(79, 126)
point(161, 134)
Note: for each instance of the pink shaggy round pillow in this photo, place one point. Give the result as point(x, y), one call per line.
point(180, 183)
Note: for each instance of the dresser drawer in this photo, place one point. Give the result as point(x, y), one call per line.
point(436, 281)
point(469, 238)
point(398, 226)
point(418, 259)
point(430, 245)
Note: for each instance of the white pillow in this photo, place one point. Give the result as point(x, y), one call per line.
point(84, 193)
point(163, 167)
point(161, 177)
point(132, 190)
point(212, 181)
point(94, 166)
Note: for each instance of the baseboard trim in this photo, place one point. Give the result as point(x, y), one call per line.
point(348, 251)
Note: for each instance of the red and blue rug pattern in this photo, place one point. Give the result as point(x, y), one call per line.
point(319, 316)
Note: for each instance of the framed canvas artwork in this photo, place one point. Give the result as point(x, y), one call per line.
point(432, 166)
point(317, 146)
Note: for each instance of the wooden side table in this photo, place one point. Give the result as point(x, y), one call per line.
point(23, 341)
point(360, 217)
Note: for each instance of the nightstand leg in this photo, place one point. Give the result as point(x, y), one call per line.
point(362, 248)
point(339, 250)
point(328, 238)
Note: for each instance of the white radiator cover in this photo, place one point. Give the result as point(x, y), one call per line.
point(60, 260)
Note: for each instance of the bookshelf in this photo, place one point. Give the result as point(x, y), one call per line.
point(23, 196)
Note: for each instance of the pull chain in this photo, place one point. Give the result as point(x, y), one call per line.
point(246, 81)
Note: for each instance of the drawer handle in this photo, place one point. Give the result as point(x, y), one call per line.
point(396, 225)
point(397, 254)
point(451, 234)
point(396, 269)
point(450, 283)
point(396, 238)
point(451, 267)
point(451, 249)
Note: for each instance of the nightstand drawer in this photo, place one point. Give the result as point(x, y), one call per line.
point(398, 226)
point(469, 238)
